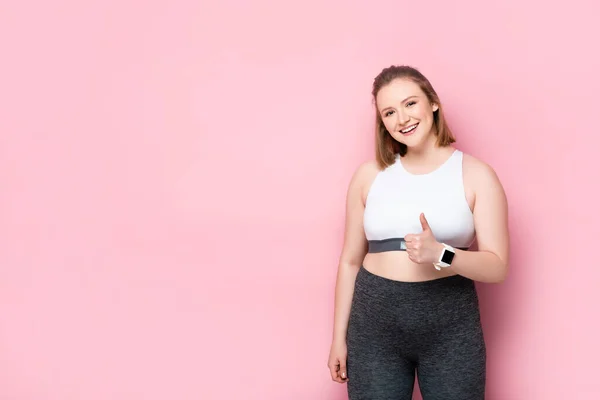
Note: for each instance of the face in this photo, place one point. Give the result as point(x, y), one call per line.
point(406, 112)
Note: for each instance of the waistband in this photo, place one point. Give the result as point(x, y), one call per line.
point(392, 244)
point(447, 289)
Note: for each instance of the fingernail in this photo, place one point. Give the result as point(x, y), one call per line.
point(344, 375)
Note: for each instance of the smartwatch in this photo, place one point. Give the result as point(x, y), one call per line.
point(445, 258)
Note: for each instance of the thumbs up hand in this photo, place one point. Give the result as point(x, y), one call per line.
point(423, 248)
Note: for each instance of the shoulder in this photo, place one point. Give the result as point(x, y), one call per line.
point(363, 177)
point(478, 171)
point(484, 181)
point(367, 170)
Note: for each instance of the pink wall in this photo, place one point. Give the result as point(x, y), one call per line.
point(173, 179)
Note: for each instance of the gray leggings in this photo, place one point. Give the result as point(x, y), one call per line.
point(431, 328)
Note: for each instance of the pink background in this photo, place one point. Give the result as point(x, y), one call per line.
point(173, 180)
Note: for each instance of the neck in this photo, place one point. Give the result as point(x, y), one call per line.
point(426, 151)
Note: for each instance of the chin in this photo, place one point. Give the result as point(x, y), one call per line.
point(414, 140)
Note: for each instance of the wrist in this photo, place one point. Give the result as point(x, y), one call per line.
point(445, 257)
point(339, 336)
point(338, 340)
point(439, 249)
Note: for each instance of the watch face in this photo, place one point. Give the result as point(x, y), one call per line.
point(447, 257)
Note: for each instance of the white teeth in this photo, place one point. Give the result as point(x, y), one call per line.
point(409, 129)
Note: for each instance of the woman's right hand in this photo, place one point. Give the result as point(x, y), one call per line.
point(337, 361)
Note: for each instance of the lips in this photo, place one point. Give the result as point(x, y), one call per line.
point(409, 130)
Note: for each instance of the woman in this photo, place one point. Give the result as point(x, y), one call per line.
point(405, 302)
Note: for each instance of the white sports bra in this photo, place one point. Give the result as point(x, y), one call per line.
point(396, 198)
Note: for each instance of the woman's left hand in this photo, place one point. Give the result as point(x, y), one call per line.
point(423, 248)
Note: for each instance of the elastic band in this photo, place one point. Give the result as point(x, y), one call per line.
point(392, 244)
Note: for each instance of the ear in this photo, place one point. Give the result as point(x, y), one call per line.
point(435, 107)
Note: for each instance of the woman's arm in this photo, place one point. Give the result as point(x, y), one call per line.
point(490, 263)
point(354, 248)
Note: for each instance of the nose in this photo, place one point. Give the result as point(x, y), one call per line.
point(403, 118)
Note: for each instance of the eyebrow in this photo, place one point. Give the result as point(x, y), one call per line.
point(409, 97)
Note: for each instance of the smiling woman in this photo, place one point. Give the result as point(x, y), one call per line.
point(406, 101)
point(405, 292)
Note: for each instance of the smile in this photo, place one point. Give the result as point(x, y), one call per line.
point(409, 129)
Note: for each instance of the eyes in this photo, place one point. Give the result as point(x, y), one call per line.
point(390, 112)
